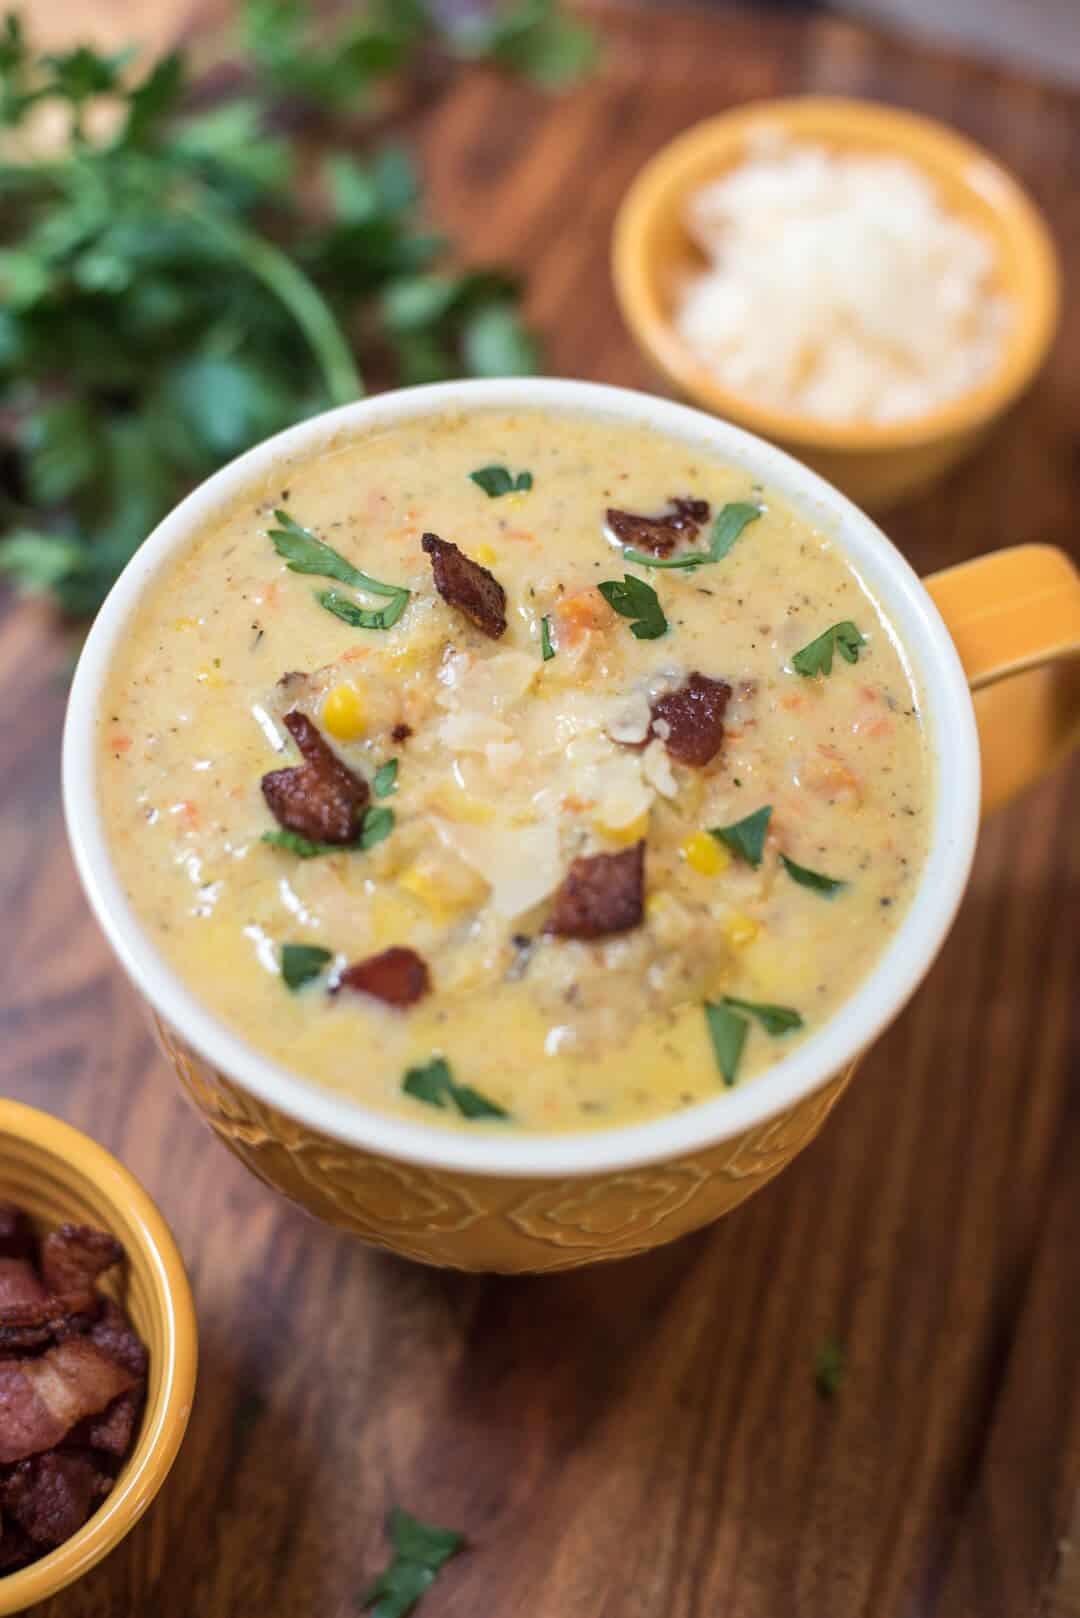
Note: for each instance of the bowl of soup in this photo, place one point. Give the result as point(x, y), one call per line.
point(518, 804)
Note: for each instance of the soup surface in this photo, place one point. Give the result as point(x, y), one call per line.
point(563, 838)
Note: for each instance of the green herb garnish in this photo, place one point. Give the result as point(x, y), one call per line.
point(829, 886)
point(170, 294)
point(304, 552)
point(728, 1032)
point(725, 531)
point(302, 962)
point(775, 1020)
point(385, 782)
point(547, 651)
point(746, 838)
point(830, 1366)
point(377, 824)
point(635, 599)
point(817, 658)
point(435, 1085)
point(420, 1550)
point(496, 480)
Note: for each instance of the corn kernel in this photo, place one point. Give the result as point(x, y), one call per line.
point(486, 555)
point(184, 623)
point(705, 855)
point(437, 892)
point(343, 712)
point(740, 929)
point(391, 920)
point(656, 904)
point(458, 805)
point(209, 677)
point(632, 832)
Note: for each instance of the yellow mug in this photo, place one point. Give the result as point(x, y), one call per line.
point(516, 1201)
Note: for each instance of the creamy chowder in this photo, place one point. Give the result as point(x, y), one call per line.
point(516, 770)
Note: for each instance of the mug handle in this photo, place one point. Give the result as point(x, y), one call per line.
point(1015, 618)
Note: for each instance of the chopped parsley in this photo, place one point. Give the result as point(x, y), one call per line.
point(304, 552)
point(817, 658)
point(746, 838)
point(302, 962)
point(728, 1032)
point(377, 824)
point(420, 1551)
point(435, 1085)
point(730, 523)
point(775, 1020)
point(830, 1366)
point(547, 650)
point(635, 599)
point(496, 480)
point(386, 779)
point(828, 886)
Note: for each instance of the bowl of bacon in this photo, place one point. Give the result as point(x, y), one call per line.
point(97, 1354)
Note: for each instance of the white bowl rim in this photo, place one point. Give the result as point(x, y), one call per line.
point(492, 1151)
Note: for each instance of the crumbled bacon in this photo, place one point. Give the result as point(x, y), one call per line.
point(51, 1496)
point(401, 733)
point(320, 799)
point(600, 894)
point(659, 534)
point(467, 586)
point(691, 719)
point(16, 1233)
point(42, 1399)
point(398, 976)
point(74, 1256)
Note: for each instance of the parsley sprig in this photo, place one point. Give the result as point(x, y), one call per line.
point(730, 523)
point(496, 481)
point(728, 1024)
point(435, 1084)
point(817, 657)
point(377, 825)
point(304, 552)
point(300, 963)
point(635, 599)
point(169, 297)
point(420, 1551)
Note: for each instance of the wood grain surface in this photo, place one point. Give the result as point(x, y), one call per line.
point(642, 1440)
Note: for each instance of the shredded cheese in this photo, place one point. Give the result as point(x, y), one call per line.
point(839, 286)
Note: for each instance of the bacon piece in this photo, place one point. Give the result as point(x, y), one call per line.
point(320, 799)
point(398, 976)
point(659, 534)
point(693, 719)
point(51, 1496)
point(74, 1256)
point(113, 1430)
point(16, 1233)
point(16, 1548)
point(401, 733)
point(466, 585)
point(42, 1399)
point(600, 894)
point(114, 1334)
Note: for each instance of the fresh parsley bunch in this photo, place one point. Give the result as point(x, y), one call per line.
point(192, 281)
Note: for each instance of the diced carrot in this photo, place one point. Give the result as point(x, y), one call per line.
point(793, 703)
point(584, 613)
point(119, 744)
point(882, 727)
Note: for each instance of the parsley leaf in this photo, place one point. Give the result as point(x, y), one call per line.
point(302, 962)
point(547, 650)
point(828, 886)
point(385, 782)
point(730, 523)
point(377, 825)
point(635, 599)
point(435, 1085)
point(830, 1367)
point(304, 552)
point(817, 658)
point(728, 1032)
point(420, 1551)
point(746, 838)
point(496, 480)
point(774, 1019)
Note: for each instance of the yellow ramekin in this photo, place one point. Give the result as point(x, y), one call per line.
point(875, 464)
point(57, 1174)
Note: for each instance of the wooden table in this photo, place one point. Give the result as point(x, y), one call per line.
point(643, 1440)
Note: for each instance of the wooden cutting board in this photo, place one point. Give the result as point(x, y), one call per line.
point(642, 1440)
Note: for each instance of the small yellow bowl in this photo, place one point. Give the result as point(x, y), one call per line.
point(56, 1174)
point(873, 463)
